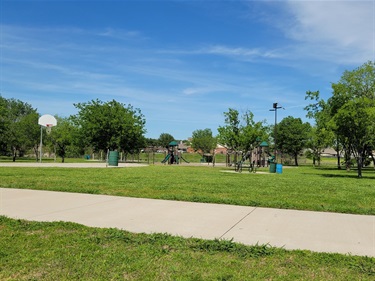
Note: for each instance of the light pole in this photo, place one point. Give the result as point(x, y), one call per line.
point(275, 108)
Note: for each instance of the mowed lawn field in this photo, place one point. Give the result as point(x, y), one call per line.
point(302, 188)
point(68, 251)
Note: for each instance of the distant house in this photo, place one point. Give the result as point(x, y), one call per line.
point(218, 150)
point(329, 152)
point(182, 147)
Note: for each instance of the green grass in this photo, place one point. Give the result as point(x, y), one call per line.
point(68, 251)
point(302, 188)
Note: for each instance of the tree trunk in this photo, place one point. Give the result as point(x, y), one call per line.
point(296, 159)
point(338, 157)
point(360, 164)
point(14, 154)
point(36, 153)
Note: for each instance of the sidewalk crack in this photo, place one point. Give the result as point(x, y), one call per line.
point(248, 214)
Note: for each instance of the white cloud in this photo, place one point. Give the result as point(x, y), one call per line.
point(239, 53)
point(333, 30)
point(121, 34)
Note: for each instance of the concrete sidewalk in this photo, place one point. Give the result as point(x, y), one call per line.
point(315, 231)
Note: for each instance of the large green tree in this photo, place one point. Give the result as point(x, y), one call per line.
point(203, 141)
point(31, 132)
point(321, 136)
point(65, 137)
point(165, 139)
point(110, 125)
point(19, 127)
point(229, 134)
point(352, 104)
point(292, 136)
point(355, 123)
point(241, 133)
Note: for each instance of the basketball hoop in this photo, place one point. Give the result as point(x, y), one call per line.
point(47, 121)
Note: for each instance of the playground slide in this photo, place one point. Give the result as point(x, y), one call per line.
point(184, 159)
point(166, 158)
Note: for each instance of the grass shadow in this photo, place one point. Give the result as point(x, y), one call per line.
point(333, 172)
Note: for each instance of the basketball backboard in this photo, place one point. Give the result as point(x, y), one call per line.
point(47, 120)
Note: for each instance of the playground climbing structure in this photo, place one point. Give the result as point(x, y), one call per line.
point(173, 156)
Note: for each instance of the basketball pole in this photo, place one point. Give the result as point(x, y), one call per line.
point(41, 144)
point(48, 121)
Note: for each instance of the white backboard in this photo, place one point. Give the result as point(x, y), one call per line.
point(47, 119)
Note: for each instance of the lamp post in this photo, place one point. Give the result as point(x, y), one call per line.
point(275, 108)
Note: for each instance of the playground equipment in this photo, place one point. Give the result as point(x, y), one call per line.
point(241, 164)
point(256, 158)
point(173, 156)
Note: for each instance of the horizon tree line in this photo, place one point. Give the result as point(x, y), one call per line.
point(345, 121)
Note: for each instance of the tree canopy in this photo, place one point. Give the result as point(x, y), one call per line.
point(65, 136)
point(292, 135)
point(241, 133)
point(349, 113)
point(203, 141)
point(321, 136)
point(19, 126)
point(111, 125)
point(165, 139)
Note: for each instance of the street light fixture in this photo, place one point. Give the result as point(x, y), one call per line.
point(275, 108)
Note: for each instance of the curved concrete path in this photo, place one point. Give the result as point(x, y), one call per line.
point(315, 231)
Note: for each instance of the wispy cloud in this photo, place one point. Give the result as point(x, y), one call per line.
point(121, 34)
point(240, 53)
point(340, 31)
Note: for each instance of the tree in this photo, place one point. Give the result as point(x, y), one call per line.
point(150, 142)
point(203, 141)
point(31, 132)
point(355, 122)
point(292, 136)
point(321, 136)
point(4, 125)
point(19, 125)
point(319, 139)
point(165, 139)
point(352, 103)
point(110, 125)
point(63, 136)
point(251, 132)
point(229, 135)
point(241, 133)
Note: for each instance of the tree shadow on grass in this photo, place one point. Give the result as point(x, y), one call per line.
point(367, 173)
point(351, 176)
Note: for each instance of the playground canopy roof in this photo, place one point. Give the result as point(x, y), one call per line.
point(173, 143)
point(264, 144)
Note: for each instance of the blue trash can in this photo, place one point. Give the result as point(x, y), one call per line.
point(279, 168)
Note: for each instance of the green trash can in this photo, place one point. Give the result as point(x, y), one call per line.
point(272, 167)
point(113, 158)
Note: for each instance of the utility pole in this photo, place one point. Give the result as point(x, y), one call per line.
point(275, 108)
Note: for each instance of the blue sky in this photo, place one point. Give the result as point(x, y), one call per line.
point(183, 63)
